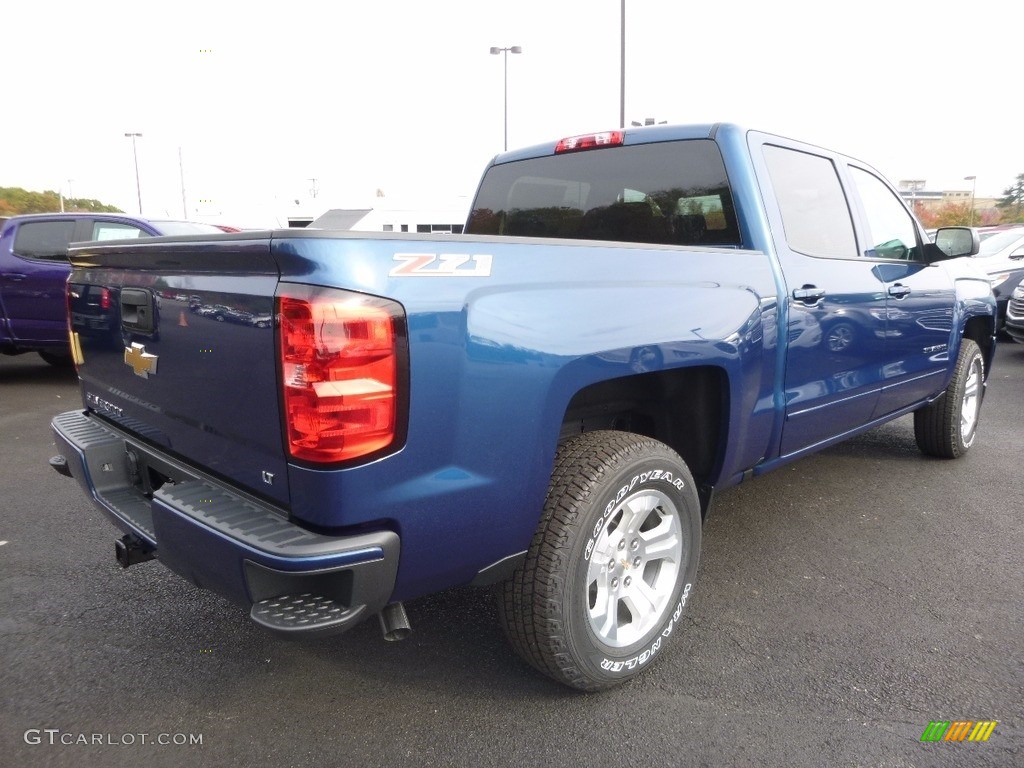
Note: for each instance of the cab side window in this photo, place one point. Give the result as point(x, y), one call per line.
point(815, 214)
point(115, 230)
point(44, 239)
point(893, 234)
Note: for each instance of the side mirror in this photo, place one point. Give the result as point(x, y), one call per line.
point(1017, 254)
point(954, 242)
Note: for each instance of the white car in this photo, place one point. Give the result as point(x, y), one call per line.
point(1001, 257)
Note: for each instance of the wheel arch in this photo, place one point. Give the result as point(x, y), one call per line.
point(981, 329)
point(685, 408)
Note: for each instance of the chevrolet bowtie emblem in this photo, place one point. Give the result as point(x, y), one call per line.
point(140, 360)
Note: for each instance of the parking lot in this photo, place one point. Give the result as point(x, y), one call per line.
point(843, 603)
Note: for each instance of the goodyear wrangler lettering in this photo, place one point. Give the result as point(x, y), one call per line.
point(648, 653)
point(665, 476)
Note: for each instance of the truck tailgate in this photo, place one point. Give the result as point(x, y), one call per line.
point(176, 347)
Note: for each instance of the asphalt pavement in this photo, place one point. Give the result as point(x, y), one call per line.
point(843, 604)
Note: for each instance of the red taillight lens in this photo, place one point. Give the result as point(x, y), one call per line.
point(340, 371)
point(590, 141)
point(104, 298)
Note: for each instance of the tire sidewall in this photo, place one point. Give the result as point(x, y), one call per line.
point(658, 470)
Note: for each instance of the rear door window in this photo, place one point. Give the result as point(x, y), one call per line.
point(815, 214)
point(47, 240)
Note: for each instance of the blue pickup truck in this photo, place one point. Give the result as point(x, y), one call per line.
point(546, 404)
point(34, 269)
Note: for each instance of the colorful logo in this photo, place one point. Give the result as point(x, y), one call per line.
point(959, 730)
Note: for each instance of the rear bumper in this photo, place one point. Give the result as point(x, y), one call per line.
point(291, 580)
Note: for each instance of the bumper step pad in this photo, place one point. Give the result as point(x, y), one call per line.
point(305, 613)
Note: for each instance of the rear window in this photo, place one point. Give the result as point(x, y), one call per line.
point(44, 239)
point(672, 193)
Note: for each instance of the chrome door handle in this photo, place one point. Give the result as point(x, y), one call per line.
point(809, 294)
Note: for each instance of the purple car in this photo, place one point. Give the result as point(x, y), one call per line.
point(34, 269)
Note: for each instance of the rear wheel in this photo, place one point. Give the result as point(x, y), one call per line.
point(947, 427)
point(57, 359)
point(612, 564)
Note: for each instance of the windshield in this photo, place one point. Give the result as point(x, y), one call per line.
point(186, 228)
point(673, 193)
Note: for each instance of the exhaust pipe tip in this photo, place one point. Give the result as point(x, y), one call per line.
point(394, 622)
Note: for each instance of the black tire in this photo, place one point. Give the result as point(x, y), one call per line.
point(57, 359)
point(946, 428)
point(579, 610)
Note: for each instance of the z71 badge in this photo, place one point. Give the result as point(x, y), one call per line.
point(441, 265)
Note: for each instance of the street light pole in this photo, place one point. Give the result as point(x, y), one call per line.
point(181, 174)
point(974, 185)
point(622, 66)
point(61, 195)
point(135, 154)
point(506, 51)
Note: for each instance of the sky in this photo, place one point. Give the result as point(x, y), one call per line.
point(242, 104)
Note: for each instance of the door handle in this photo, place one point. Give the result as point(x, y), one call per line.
point(899, 290)
point(14, 276)
point(809, 294)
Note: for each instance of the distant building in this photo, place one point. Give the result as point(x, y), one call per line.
point(917, 195)
point(451, 219)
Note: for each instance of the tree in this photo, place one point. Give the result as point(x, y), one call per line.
point(948, 215)
point(15, 200)
point(1012, 204)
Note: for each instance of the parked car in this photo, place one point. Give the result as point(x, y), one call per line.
point(1014, 326)
point(984, 233)
point(34, 270)
point(1001, 256)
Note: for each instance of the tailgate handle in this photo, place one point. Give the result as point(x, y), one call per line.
point(138, 310)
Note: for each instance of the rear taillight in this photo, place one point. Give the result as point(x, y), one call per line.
point(104, 298)
point(590, 141)
point(342, 363)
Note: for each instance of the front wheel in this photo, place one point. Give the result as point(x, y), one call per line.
point(612, 564)
point(947, 427)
